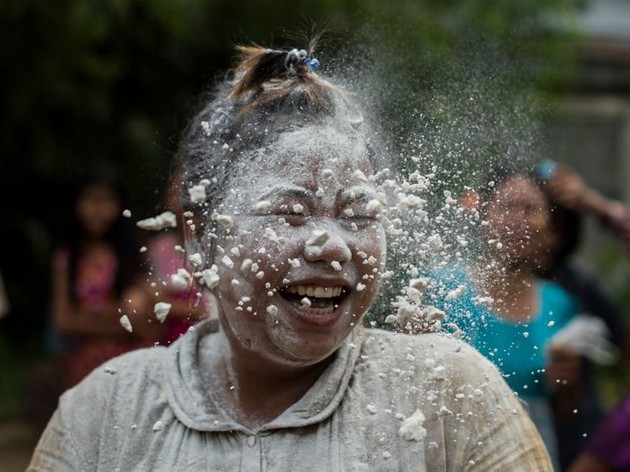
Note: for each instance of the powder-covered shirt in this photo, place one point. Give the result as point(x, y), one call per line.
point(386, 402)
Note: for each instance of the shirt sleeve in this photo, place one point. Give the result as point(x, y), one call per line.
point(485, 423)
point(55, 450)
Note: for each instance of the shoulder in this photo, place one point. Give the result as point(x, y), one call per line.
point(117, 382)
point(433, 355)
point(554, 293)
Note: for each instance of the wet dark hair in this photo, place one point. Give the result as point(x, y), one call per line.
point(270, 92)
point(566, 223)
point(121, 235)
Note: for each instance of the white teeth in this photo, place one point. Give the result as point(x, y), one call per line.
point(315, 291)
point(317, 311)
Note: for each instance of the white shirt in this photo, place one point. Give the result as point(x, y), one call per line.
point(149, 411)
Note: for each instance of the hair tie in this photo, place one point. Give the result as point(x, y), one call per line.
point(296, 58)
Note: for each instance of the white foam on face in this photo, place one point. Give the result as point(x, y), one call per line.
point(226, 261)
point(373, 206)
point(224, 220)
point(262, 207)
point(161, 310)
point(158, 223)
point(318, 238)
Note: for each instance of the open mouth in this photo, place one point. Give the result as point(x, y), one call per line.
point(315, 299)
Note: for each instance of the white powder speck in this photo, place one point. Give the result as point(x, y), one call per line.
point(412, 428)
point(371, 408)
point(373, 206)
point(246, 265)
point(195, 259)
point(439, 373)
point(126, 213)
point(551, 323)
point(210, 277)
point(110, 370)
point(360, 175)
point(224, 220)
point(262, 207)
point(157, 223)
point(297, 208)
point(306, 302)
point(318, 237)
point(126, 323)
point(336, 265)
point(161, 310)
point(327, 173)
point(295, 263)
point(158, 426)
point(143, 249)
point(360, 287)
point(181, 279)
point(272, 310)
point(197, 193)
point(456, 293)
point(435, 242)
point(226, 261)
point(260, 274)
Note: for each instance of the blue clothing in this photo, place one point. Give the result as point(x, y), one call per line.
point(516, 348)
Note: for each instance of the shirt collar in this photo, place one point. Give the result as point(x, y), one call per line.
point(194, 407)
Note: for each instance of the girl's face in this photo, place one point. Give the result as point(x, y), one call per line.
point(518, 218)
point(97, 208)
point(301, 262)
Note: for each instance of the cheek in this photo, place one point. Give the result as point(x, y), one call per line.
point(370, 253)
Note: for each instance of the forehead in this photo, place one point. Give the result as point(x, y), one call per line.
point(518, 187)
point(303, 157)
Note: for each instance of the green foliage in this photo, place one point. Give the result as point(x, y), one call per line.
point(85, 81)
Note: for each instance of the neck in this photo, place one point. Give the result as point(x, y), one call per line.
point(513, 289)
point(254, 389)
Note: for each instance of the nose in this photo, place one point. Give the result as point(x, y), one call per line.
point(326, 246)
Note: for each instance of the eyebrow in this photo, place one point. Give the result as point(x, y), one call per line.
point(280, 191)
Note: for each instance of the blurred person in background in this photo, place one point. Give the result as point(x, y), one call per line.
point(508, 311)
point(166, 255)
point(608, 450)
point(97, 278)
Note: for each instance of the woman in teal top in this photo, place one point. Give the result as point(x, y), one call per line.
point(516, 347)
point(506, 311)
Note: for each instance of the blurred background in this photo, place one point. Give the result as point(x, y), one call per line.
point(91, 82)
